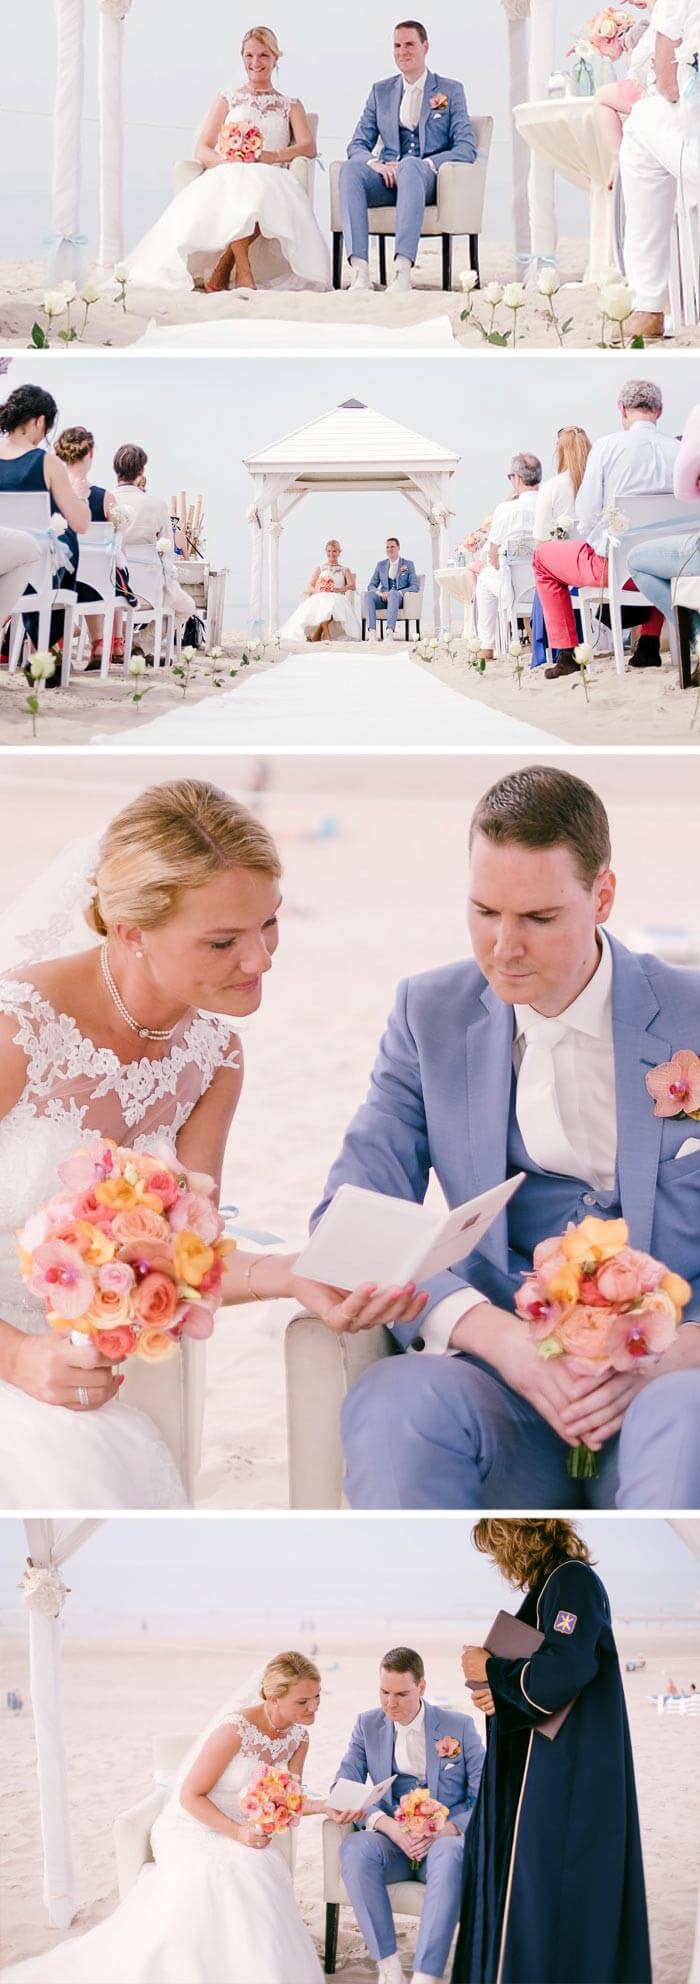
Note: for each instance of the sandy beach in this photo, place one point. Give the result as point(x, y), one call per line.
point(153, 1690)
point(643, 707)
point(374, 853)
point(23, 285)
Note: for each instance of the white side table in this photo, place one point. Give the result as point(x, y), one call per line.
point(565, 131)
point(457, 583)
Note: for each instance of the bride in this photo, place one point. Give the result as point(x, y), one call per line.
point(218, 1906)
point(132, 1039)
point(327, 611)
point(246, 210)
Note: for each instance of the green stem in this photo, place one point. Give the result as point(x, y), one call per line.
point(582, 1464)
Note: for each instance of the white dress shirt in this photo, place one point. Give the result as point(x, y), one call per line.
point(637, 461)
point(409, 1754)
point(584, 1068)
point(393, 567)
point(513, 519)
point(412, 103)
point(677, 19)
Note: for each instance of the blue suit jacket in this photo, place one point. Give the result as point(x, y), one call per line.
point(405, 581)
point(454, 1780)
point(443, 134)
point(440, 1100)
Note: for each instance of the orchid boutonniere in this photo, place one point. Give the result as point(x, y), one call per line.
point(439, 101)
point(675, 1086)
point(448, 1746)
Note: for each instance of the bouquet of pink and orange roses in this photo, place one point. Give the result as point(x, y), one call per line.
point(272, 1801)
point(608, 29)
point(239, 143)
point(421, 1815)
point(129, 1252)
point(593, 1297)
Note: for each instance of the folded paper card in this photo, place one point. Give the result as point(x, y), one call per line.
point(369, 1237)
point(347, 1796)
point(512, 1639)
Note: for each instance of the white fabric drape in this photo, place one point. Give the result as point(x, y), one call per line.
point(68, 110)
point(541, 186)
point(50, 1544)
point(111, 112)
point(518, 39)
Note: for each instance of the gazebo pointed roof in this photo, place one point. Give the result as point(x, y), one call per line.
point(354, 439)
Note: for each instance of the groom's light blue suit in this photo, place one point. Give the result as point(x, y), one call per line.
point(370, 1860)
point(446, 1431)
point(444, 133)
point(395, 589)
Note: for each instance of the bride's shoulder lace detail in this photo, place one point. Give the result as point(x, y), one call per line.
point(253, 1740)
point(260, 100)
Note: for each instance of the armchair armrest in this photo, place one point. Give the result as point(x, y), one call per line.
point(186, 170)
point(332, 1836)
point(320, 1369)
point(132, 1838)
point(461, 191)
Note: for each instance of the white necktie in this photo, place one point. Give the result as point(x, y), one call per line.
point(536, 1105)
point(412, 102)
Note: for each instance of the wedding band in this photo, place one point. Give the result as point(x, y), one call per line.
point(83, 1396)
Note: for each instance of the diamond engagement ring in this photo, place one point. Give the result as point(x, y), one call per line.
point(83, 1396)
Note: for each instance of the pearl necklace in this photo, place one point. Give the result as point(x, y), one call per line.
point(144, 1032)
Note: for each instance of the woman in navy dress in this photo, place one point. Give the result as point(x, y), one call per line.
point(28, 464)
point(553, 1875)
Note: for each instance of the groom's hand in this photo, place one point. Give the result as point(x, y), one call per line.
point(387, 170)
point(502, 1340)
point(366, 1308)
point(598, 1409)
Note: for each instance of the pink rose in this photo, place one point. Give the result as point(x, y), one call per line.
point(163, 1184)
point(620, 1281)
point(155, 1300)
point(88, 1207)
point(586, 1333)
point(198, 1215)
point(118, 1343)
point(139, 1223)
point(116, 1277)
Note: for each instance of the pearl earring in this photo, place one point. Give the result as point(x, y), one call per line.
point(139, 954)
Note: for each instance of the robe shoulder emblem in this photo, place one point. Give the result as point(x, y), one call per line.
point(565, 1622)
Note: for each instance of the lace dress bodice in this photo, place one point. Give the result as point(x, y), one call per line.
point(270, 112)
point(73, 1091)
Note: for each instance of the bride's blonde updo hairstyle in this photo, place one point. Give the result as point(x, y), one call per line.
point(172, 838)
point(268, 39)
point(283, 1671)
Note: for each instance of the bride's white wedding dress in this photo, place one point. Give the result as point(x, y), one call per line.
point(210, 1911)
point(226, 204)
point(339, 606)
point(113, 1457)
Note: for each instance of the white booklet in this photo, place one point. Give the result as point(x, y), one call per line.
point(367, 1236)
point(347, 1796)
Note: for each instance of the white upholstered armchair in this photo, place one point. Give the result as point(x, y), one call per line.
point(132, 1829)
point(320, 1368)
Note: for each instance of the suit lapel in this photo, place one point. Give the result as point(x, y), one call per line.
point(395, 93)
point(430, 85)
point(432, 1760)
point(386, 1751)
point(637, 1049)
point(489, 1084)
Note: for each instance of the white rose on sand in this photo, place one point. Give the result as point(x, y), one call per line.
point(514, 295)
point(55, 303)
point(468, 279)
point(583, 654)
point(89, 294)
point(42, 667)
point(188, 654)
point(473, 644)
point(493, 293)
point(548, 282)
point(137, 665)
point(515, 649)
point(69, 291)
point(121, 271)
point(616, 302)
point(216, 654)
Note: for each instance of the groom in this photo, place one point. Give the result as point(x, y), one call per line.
point(533, 1056)
point(418, 1744)
point(391, 579)
point(420, 122)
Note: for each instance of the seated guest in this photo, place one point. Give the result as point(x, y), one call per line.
point(391, 579)
point(75, 446)
point(420, 122)
point(27, 464)
point(658, 561)
point(512, 519)
point(19, 553)
point(638, 461)
point(554, 515)
point(149, 521)
point(660, 149)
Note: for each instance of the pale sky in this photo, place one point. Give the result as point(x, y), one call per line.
point(198, 422)
point(193, 1573)
point(177, 60)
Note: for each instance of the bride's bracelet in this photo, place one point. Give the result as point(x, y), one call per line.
point(253, 1292)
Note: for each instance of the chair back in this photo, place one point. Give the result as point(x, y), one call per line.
point(145, 573)
point(642, 512)
point(320, 1368)
point(97, 560)
point(25, 509)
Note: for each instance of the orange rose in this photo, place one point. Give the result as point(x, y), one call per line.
point(678, 1289)
point(108, 1310)
point(192, 1258)
point(155, 1345)
point(156, 1299)
point(586, 1333)
point(116, 1193)
point(140, 1222)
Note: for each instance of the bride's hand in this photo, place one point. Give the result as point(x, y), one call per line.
point(54, 1370)
point(266, 158)
point(365, 1308)
point(247, 1836)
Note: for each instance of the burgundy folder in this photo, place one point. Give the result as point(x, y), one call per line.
point(512, 1639)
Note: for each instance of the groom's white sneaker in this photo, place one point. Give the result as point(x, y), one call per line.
point(421, 1977)
point(373, 635)
point(401, 279)
point(390, 1971)
point(360, 277)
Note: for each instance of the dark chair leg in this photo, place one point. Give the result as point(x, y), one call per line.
point(337, 261)
point(474, 256)
point(447, 261)
point(331, 1950)
point(418, 629)
point(406, 628)
point(685, 658)
point(364, 629)
point(382, 260)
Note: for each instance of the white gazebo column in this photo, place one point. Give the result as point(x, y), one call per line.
point(50, 1544)
point(111, 112)
point(518, 34)
point(273, 571)
point(541, 182)
point(66, 240)
point(255, 519)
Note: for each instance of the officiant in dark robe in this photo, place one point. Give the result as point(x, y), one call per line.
point(553, 1876)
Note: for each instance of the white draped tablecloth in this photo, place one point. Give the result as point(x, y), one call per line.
point(565, 131)
point(457, 582)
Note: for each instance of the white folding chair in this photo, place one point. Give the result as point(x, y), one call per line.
point(147, 580)
point(684, 274)
point(30, 510)
point(97, 568)
point(649, 516)
point(517, 589)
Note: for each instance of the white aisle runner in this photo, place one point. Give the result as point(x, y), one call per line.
point(335, 700)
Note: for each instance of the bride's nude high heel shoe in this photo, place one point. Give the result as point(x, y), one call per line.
point(220, 277)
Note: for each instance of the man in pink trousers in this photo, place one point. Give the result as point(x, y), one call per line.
point(636, 461)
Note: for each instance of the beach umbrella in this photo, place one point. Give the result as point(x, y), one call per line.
point(50, 1544)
